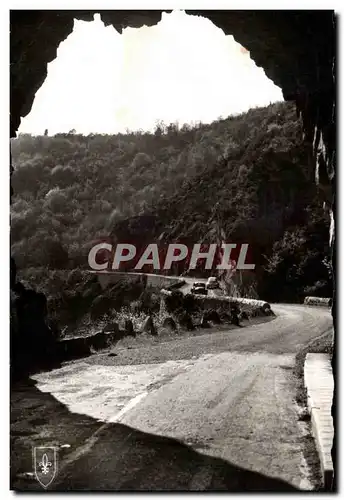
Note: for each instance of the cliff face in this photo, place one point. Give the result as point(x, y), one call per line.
point(295, 48)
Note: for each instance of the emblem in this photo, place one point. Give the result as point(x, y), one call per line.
point(45, 464)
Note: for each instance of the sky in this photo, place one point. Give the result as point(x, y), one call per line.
point(183, 70)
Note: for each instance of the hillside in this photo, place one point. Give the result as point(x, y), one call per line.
point(246, 178)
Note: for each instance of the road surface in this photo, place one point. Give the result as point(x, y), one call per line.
point(210, 412)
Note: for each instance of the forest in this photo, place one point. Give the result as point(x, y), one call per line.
point(243, 179)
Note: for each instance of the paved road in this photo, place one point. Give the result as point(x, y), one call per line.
point(209, 412)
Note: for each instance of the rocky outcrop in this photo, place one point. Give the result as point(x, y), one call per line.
point(211, 316)
point(185, 320)
point(32, 339)
point(148, 326)
point(99, 341)
point(169, 324)
point(129, 328)
point(100, 306)
point(74, 348)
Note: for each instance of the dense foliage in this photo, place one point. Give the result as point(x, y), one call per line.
point(244, 179)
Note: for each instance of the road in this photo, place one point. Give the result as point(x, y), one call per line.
point(210, 412)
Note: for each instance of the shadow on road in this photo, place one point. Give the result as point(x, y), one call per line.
point(114, 457)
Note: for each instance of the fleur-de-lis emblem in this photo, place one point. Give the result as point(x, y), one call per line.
point(45, 464)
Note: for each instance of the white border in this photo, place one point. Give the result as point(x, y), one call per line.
point(4, 170)
point(172, 4)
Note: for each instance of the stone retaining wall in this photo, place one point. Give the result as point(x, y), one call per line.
point(150, 280)
point(222, 303)
point(318, 301)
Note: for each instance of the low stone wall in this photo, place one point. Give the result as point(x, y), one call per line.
point(251, 303)
point(176, 286)
point(222, 303)
point(150, 280)
point(76, 347)
point(318, 301)
point(160, 282)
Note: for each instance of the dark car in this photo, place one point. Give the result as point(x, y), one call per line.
point(199, 288)
point(212, 283)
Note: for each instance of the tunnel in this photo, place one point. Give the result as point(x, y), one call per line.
point(296, 49)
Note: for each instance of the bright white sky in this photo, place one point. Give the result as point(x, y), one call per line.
point(183, 69)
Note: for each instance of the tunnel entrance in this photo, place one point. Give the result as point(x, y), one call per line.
point(297, 52)
point(183, 70)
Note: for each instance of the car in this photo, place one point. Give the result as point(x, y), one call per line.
point(212, 283)
point(199, 288)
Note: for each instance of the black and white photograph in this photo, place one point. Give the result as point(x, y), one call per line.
point(172, 218)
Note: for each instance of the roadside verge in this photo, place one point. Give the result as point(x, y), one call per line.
point(319, 385)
